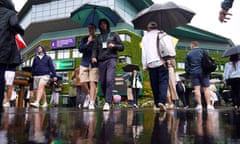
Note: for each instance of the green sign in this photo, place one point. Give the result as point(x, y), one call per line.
point(64, 64)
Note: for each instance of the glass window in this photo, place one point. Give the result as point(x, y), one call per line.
point(125, 59)
point(76, 53)
point(181, 65)
point(63, 54)
point(125, 37)
point(64, 76)
point(52, 54)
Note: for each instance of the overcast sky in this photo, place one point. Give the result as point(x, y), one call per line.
point(206, 16)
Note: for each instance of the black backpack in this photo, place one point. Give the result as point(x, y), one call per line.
point(208, 64)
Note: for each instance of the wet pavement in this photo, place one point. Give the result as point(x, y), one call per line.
point(118, 126)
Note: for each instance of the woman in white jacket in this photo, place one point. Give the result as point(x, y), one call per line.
point(232, 77)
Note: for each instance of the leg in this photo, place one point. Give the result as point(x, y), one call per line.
point(102, 76)
point(197, 94)
point(110, 76)
point(207, 94)
point(2, 83)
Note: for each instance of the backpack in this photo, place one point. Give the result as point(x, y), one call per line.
point(180, 87)
point(165, 52)
point(208, 63)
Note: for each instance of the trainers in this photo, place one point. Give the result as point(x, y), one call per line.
point(136, 106)
point(91, 106)
point(186, 107)
point(86, 102)
point(156, 108)
point(7, 104)
point(35, 104)
point(210, 107)
point(106, 107)
point(44, 105)
point(198, 107)
point(79, 106)
point(170, 106)
point(162, 107)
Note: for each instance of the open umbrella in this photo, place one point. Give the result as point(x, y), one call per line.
point(89, 13)
point(232, 51)
point(130, 67)
point(20, 42)
point(168, 16)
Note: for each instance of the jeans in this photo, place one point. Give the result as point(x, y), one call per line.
point(106, 77)
point(2, 83)
point(159, 77)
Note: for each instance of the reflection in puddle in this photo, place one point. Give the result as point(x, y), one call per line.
point(75, 126)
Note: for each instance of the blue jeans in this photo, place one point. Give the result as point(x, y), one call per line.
point(159, 77)
point(2, 83)
point(106, 77)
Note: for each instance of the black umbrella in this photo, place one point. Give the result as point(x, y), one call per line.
point(168, 16)
point(130, 67)
point(232, 51)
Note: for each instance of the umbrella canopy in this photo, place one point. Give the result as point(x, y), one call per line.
point(89, 13)
point(232, 51)
point(167, 16)
point(130, 67)
point(20, 42)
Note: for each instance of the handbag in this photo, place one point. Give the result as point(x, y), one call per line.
point(139, 84)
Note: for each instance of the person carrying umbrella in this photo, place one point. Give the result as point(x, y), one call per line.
point(225, 5)
point(105, 53)
point(232, 77)
point(158, 71)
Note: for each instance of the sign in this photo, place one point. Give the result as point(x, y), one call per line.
point(63, 43)
point(64, 64)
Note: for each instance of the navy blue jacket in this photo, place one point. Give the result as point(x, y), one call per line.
point(193, 61)
point(43, 66)
point(86, 50)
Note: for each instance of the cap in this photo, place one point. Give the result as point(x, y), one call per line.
point(152, 24)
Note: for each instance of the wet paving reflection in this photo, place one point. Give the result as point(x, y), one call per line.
point(76, 126)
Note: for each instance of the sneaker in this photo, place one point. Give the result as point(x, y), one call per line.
point(7, 104)
point(156, 108)
point(44, 105)
point(35, 104)
point(91, 106)
point(79, 106)
point(162, 107)
point(198, 107)
point(170, 106)
point(136, 106)
point(210, 107)
point(106, 107)
point(86, 102)
point(186, 107)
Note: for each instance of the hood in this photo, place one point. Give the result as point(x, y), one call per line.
point(43, 48)
point(7, 4)
point(108, 25)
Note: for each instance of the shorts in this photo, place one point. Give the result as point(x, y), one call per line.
point(88, 74)
point(200, 80)
point(9, 77)
point(40, 80)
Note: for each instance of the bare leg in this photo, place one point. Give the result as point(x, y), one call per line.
point(207, 95)
point(197, 94)
point(41, 93)
point(9, 93)
point(93, 92)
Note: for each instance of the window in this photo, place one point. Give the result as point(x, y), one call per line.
point(64, 76)
point(180, 65)
point(125, 37)
point(63, 54)
point(76, 53)
point(51, 54)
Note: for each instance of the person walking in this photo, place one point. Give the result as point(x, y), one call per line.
point(9, 53)
point(41, 68)
point(225, 5)
point(56, 88)
point(232, 77)
point(105, 53)
point(152, 62)
point(136, 85)
point(88, 71)
point(193, 68)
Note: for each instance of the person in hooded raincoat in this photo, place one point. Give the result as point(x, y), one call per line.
point(42, 67)
point(9, 53)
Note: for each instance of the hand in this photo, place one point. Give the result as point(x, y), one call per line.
point(94, 60)
point(111, 45)
point(90, 38)
point(55, 79)
point(223, 15)
point(145, 70)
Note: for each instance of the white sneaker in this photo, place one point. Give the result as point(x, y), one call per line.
point(198, 107)
point(170, 106)
point(136, 106)
point(91, 106)
point(44, 105)
point(7, 104)
point(210, 107)
point(79, 106)
point(35, 104)
point(106, 107)
point(162, 107)
point(86, 102)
